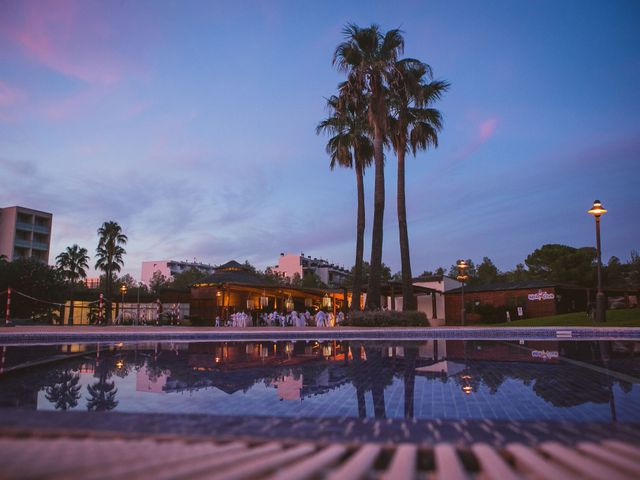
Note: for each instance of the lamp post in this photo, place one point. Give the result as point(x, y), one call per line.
point(462, 266)
point(123, 291)
point(597, 210)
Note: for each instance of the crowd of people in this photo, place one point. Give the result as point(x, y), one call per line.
point(277, 319)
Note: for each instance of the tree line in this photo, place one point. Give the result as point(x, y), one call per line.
point(554, 263)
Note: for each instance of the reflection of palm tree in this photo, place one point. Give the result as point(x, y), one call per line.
point(102, 393)
point(380, 378)
point(410, 356)
point(359, 379)
point(65, 392)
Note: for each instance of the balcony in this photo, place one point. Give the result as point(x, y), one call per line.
point(41, 228)
point(22, 243)
point(25, 226)
point(39, 246)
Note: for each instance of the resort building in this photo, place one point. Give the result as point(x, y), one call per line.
point(329, 273)
point(169, 268)
point(535, 298)
point(430, 296)
point(25, 233)
point(235, 288)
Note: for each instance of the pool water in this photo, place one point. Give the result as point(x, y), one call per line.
point(435, 379)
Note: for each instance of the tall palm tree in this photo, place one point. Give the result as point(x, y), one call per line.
point(415, 124)
point(109, 256)
point(72, 263)
point(350, 147)
point(368, 57)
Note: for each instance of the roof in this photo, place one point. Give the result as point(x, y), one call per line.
point(231, 265)
point(385, 289)
point(432, 278)
point(526, 285)
point(244, 277)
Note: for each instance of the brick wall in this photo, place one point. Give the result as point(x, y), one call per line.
point(498, 298)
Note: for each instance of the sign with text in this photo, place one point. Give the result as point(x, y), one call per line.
point(541, 295)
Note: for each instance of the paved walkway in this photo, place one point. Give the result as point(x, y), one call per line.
point(58, 334)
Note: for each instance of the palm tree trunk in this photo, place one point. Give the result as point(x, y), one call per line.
point(357, 274)
point(108, 292)
point(375, 273)
point(408, 301)
point(70, 321)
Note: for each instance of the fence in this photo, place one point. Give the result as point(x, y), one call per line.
point(25, 309)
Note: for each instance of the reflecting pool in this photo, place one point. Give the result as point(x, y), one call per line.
point(435, 379)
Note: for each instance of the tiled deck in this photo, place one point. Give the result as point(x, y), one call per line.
point(64, 456)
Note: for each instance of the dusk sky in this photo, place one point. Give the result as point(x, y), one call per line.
point(192, 124)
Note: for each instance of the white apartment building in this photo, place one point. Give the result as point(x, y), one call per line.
point(292, 263)
point(169, 268)
point(25, 233)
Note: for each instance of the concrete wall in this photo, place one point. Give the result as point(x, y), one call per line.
point(7, 231)
point(289, 265)
point(152, 266)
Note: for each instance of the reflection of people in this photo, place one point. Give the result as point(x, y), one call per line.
point(217, 321)
point(591, 311)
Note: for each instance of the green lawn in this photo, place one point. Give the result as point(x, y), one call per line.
point(615, 318)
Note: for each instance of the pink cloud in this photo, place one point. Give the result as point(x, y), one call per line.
point(484, 130)
point(56, 35)
point(138, 107)
point(487, 128)
point(10, 95)
point(72, 106)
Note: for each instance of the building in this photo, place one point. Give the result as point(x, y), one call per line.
point(235, 288)
point(534, 298)
point(429, 293)
point(25, 233)
point(328, 273)
point(169, 268)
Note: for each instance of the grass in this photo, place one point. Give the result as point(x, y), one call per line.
point(615, 318)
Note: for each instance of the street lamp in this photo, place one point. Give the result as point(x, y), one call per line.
point(462, 266)
point(598, 210)
point(123, 291)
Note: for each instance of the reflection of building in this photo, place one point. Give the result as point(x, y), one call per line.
point(25, 233)
point(169, 268)
point(144, 383)
point(289, 387)
point(291, 263)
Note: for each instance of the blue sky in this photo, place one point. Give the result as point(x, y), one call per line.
point(192, 124)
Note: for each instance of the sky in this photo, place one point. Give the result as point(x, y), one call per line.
point(192, 125)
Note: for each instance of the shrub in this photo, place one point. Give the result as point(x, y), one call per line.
point(386, 319)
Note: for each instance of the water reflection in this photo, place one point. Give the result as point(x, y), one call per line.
point(434, 379)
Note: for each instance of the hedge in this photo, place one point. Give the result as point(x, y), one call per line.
point(386, 318)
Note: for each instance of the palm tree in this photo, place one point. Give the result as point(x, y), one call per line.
point(368, 57)
point(72, 264)
point(413, 123)
point(350, 147)
point(109, 256)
